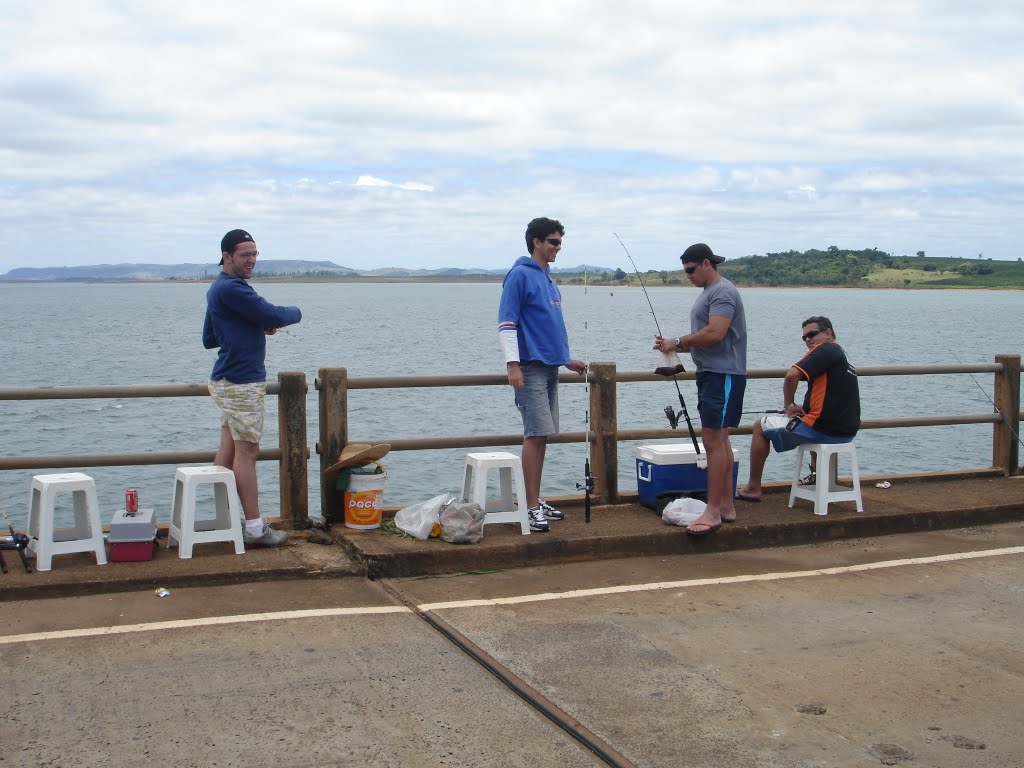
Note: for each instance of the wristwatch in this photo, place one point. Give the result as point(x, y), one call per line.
point(677, 340)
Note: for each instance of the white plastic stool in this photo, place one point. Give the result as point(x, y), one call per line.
point(510, 477)
point(86, 536)
point(226, 526)
point(825, 489)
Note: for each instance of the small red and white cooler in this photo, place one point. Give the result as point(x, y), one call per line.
point(132, 537)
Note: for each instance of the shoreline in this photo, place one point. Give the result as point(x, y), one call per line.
point(496, 280)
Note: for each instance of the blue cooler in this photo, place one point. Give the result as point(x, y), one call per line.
point(673, 469)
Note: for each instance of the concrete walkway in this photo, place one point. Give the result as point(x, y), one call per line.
point(912, 503)
point(893, 650)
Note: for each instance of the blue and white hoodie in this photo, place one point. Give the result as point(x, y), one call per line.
point(530, 316)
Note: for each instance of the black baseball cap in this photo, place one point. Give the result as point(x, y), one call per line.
point(232, 239)
point(698, 252)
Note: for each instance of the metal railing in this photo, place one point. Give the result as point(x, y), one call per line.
point(291, 452)
point(334, 384)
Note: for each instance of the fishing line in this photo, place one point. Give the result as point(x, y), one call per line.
point(670, 413)
point(994, 406)
point(588, 479)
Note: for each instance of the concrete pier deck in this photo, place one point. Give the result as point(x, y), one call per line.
point(912, 503)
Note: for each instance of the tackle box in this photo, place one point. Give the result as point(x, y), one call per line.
point(132, 537)
point(664, 470)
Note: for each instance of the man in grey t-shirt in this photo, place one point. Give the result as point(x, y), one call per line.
point(717, 342)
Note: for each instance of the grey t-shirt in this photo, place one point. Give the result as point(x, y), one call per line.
point(730, 354)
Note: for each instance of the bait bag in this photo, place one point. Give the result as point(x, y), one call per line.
point(419, 519)
point(462, 522)
point(683, 511)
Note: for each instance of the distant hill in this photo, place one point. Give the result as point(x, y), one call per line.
point(264, 268)
point(872, 268)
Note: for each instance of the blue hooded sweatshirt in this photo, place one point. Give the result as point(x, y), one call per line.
point(531, 306)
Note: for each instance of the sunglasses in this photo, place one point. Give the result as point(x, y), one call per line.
point(809, 336)
point(690, 270)
point(553, 241)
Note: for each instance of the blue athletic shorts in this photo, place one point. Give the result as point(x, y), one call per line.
point(720, 399)
point(783, 439)
point(537, 401)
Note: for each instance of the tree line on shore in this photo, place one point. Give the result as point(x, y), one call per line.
point(839, 267)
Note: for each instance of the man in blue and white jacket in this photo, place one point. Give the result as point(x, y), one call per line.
point(535, 344)
point(237, 324)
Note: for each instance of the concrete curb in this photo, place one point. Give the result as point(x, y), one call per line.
point(952, 500)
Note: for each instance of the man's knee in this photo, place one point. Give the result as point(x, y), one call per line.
point(714, 438)
point(246, 450)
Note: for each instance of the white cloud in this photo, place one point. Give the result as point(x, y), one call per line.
point(372, 181)
point(759, 125)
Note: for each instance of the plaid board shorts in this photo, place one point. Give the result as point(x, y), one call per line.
point(241, 408)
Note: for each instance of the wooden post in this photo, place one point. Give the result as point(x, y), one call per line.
point(1005, 432)
point(604, 461)
point(291, 419)
point(332, 384)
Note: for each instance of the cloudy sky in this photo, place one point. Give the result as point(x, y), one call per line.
point(426, 134)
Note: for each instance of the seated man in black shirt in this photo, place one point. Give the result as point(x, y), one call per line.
point(831, 409)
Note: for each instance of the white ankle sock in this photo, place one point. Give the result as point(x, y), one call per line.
point(254, 527)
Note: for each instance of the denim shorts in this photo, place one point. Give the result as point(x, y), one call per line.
point(537, 401)
point(784, 439)
point(720, 399)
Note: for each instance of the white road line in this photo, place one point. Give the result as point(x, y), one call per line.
point(498, 601)
point(577, 593)
point(210, 621)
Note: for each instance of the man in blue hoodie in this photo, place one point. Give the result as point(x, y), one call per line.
point(535, 344)
point(237, 323)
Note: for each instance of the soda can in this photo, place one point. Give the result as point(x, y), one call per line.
point(131, 501)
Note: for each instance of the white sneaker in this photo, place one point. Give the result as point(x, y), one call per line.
point(549, 512)
point(538, 522)
point(269, 537)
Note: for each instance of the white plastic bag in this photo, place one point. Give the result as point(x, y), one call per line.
point(683, 511)
point(418, 520)
point(462, 522)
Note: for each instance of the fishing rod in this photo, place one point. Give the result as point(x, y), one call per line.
point(994, 406)
point(588, 479)
point(665, 370)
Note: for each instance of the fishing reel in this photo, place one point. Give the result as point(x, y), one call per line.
point(672, 415)
point(18, 541)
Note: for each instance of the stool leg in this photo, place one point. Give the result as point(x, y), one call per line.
point(92, 513)
point(79, 503)
point(221, 506)
point(33, 518)
point(505, 484)
point(172, 538)
point(520, 483)
point(467, 481)
point(480, 488)
point(821, 486)
point(188, 521)
point(796, 474)
point(833, 472)
point(855, 470)
point(42, 503)
point(235, 516)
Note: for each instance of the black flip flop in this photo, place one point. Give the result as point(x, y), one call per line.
point(706, 532)
point(749, 499)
